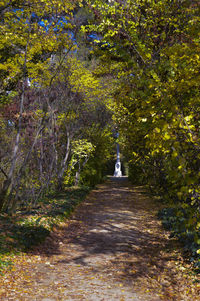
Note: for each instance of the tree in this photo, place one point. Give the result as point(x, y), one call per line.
point(151, 49)
point(30, 33)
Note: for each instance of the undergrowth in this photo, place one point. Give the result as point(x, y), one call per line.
point(183, 225)
point(25, 229)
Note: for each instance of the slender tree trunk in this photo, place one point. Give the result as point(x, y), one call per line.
point(7, 183)
point(17, 181)
point(4, 192)
point(78, 173)
point(64, 163)
point(77, 176)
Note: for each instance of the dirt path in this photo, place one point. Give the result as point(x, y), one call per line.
point(114, 248)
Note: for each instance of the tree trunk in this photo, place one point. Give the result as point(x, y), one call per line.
point(4, 192)
point(77, 178)
point(7, 183)
point(63, 165)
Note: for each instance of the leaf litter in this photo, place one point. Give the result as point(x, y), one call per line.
point(112, 248)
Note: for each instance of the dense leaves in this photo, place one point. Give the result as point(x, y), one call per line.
point(152, 51)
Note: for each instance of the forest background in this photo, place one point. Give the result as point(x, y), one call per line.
point(72, 73)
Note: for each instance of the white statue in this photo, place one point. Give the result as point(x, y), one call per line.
point(118, 172)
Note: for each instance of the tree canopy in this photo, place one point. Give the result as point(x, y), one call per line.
point(73, 71)
point(151, 50)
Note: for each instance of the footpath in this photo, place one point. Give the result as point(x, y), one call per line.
point(113, 248)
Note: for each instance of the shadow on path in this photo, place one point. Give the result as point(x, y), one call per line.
point(114, 239)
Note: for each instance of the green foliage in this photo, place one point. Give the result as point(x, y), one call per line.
point(178, 221)
point(4, 264)
point(81, 152)
point(96, 168)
